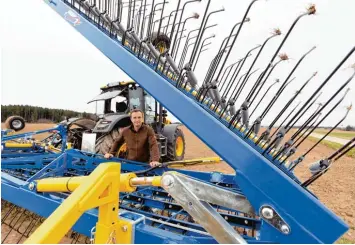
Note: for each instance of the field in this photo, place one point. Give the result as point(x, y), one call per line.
point(337, 133)
point(336, 189)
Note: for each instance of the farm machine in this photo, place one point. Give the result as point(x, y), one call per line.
point(52, 195)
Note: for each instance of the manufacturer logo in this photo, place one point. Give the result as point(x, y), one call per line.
point(72, 17)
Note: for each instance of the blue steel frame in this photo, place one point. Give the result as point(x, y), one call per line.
point(61, 129)
point(17, 192)
point(260, 180)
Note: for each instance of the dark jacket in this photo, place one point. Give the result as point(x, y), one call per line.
point(142, 146)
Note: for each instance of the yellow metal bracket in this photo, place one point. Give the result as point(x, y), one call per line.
point(99, 189)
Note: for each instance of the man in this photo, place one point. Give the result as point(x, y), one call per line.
point(140, 139)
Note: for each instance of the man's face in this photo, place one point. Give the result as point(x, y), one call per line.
point(137, 119)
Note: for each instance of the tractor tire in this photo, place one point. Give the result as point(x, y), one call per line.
point(104, 143)
point(161, 42)
point(76, 130)
point(176, 147)
point(16, 123)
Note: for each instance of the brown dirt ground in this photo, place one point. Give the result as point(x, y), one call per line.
point(336, 189)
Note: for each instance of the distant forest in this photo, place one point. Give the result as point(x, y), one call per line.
point(34, 114)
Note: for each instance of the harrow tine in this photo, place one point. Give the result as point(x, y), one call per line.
point(311, 10)
point(321, 167)
point(175, 51)
point(289, 143)
point(202, 46)
point(320, 140)
point(291, 100)
point(180, 21)
point(250, 98)
point(236, 36)
point(277, 32)
point(329, 100)
point(281, 124)
point(258, 121)
point(266, 92)
point(161, 17)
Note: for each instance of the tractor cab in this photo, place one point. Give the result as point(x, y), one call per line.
point(121, 97)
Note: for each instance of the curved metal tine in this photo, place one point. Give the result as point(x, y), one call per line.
point(200, 30)
point(291, 100)
point(161, 16)
point(282, 123)
point(311, 10)
point(199, 39)
point(12, 207)
point(176, 48)
point(168, 24)
point(319, 88)
point(261, 99)
point(320, 173)
point(329, 112)
point(334, 95)
point(216, 61)
point(236, 36)
point(287, 145)
point(202, 46)
point(261, 117)
point(185, 47)
point(260, 84)
point(175, 17)
point(331, 130)
point(271, 104)
point(276, 32)
point(12, 226)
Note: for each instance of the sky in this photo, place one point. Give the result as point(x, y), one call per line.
point(46, 62)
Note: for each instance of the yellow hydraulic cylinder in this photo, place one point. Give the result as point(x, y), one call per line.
point(69, 184)
point(18, 145)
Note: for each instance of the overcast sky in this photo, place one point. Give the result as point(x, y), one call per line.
point(45, 62)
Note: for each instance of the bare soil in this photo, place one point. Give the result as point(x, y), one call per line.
point(336, 189)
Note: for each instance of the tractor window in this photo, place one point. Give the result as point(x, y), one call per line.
point(119, 105)
point(149, 109)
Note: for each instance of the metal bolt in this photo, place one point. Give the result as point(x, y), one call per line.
point(168, 181)
point(124, 228)
point(226, 217)
point(285, 229)
point(268, 213)
point(170, 206)
point(31, 186)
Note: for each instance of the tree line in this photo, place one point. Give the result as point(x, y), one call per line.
point(34, 114)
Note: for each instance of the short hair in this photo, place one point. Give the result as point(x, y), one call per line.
point(136, 110)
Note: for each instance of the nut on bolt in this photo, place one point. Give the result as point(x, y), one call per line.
point(285, 229)
point(124, 228)
point(167, 181)
point(267, 213)
point(31, 186)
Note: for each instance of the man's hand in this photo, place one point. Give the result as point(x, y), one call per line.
point(108, 155)
point(153, 164)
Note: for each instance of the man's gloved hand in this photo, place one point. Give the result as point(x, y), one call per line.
point(108, 155)
point(153, 164)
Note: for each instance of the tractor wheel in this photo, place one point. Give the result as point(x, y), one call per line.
point(176, 147)
point(161, 42)
point(15, 122)
point(104, 143)
point(77, 128)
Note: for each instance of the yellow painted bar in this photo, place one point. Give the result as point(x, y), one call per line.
point(100, 188)
point(18, 145)
point(69, 184)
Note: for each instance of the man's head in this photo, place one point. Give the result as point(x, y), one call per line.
point(137, 117)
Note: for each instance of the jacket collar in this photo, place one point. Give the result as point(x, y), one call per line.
point(140, 129)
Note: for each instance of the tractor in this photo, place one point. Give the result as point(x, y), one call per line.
point(119, 98)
